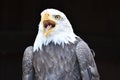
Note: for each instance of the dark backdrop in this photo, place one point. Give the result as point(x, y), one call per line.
point(96, 21)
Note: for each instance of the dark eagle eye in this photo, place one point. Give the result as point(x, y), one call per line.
point(57, 17)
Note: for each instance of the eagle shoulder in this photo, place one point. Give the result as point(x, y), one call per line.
point(86, 62)
point(27, 66)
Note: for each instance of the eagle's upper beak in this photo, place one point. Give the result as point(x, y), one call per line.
point(48, 23)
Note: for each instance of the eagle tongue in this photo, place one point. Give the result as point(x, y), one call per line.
point(48, 27)
point(48, 24)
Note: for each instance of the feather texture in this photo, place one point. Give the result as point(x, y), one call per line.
point(56, 63)
point(86, 62)
point(73, 62)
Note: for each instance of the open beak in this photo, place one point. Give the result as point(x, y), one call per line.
point(48, 24)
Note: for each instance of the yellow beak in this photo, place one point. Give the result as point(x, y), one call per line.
point(48, 24)
point(45, 16)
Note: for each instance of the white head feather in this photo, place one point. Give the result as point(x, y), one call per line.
point(62, 34)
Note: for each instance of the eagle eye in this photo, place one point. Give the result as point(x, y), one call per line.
point(57, 17)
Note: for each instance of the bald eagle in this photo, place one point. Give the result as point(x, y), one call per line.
point(58, 53)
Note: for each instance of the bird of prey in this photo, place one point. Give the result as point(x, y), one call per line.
point(58, 53)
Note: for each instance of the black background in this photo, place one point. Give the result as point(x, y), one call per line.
point(95, 21)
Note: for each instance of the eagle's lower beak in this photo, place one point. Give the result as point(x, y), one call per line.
point(48, 24)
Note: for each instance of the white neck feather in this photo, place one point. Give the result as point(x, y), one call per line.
point(60, 39)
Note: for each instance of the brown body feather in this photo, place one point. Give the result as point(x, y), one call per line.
point(54, 62)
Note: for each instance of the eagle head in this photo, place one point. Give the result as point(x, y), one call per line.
point(54, 27)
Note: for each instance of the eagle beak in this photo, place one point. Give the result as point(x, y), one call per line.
point(48, 24)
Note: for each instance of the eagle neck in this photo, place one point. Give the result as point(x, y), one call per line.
point(59, 39)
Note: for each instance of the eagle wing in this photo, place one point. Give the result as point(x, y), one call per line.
point(86, 61)
point(27, 66)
